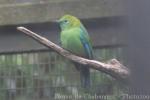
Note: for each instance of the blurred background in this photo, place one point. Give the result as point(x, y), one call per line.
point(30, 71)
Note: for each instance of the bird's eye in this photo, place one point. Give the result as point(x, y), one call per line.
point(66, 21)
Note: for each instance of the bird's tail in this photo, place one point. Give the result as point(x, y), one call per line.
point(84, 75)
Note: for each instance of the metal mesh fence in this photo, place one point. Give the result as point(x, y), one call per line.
point(48, 76)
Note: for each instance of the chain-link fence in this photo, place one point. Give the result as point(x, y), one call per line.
point(48, 76)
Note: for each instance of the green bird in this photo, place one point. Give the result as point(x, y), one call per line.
point(74, 38)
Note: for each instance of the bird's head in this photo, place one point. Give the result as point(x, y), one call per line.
point(68, 22)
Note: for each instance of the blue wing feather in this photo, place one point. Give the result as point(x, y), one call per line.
point(86, 43)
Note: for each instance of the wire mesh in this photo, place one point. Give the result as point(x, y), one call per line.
point(48, 76)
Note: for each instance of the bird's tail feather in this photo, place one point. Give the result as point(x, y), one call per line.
point(84, 75)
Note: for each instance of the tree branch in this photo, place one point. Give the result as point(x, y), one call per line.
point(113, 67)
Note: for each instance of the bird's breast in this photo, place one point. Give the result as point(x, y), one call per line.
point(70, 40)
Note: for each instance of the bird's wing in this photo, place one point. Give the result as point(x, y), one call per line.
point(86, 42)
